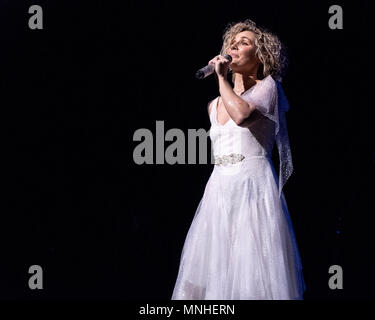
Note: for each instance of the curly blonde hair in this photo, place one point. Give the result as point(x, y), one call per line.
point(269, 49)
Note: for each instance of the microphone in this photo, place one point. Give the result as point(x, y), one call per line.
point(207, 70)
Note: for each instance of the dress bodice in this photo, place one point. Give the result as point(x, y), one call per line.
point(256, 140)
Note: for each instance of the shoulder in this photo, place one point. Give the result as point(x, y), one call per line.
point(265, 89)
point(269, 82)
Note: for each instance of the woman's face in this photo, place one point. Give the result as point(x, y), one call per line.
point(242, 49)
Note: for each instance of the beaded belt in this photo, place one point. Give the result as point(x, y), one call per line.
point(231, 158)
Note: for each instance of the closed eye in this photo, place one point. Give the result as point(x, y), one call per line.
point(243, 42)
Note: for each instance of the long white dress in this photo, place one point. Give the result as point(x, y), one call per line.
point(241, 244)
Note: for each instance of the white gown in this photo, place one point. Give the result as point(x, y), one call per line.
point(241, 244)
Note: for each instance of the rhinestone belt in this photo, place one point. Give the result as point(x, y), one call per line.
point(231, 158)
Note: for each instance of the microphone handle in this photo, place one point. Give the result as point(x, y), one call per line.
point(207, 70)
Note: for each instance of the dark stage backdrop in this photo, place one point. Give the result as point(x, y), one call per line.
point(73, 94)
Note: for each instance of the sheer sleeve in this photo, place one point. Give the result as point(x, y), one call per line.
point(268, 97)
point(263, 97)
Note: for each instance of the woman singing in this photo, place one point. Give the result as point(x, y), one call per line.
point(241, 243)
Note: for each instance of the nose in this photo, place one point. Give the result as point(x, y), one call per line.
point(233, 52)
point(233, 46)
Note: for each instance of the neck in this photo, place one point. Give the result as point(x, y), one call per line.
point(244, 82)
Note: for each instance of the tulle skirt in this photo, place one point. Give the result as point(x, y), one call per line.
point(241, 244)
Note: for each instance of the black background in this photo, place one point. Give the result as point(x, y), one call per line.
point(73, 94)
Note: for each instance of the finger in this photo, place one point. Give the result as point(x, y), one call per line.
point(213, 59)
point(223, 58)
point(222, 61)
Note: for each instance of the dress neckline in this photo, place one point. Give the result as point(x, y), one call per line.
point(217, 102)
point(216, 115)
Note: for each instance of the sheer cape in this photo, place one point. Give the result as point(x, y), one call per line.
point(269, 98)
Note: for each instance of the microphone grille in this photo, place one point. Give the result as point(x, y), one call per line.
point(228, 57)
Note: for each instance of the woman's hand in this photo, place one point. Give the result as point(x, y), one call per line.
point(221, 65)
